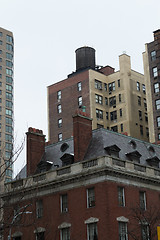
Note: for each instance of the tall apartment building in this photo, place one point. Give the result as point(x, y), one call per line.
point(151, 59)
point(6, 103)
point(114, 100)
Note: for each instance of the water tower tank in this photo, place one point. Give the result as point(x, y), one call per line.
point(85, 58)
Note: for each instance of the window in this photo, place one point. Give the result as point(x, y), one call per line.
point(9, 146)
point(158, 121)
point(9, 39)
point(113, 115)
point(140, 115)
point(138, 86)
point(121, 199)
point(99, 99)
point(59, 95)
point(146, 117)
point(0, 51)
point(156, 87)
point(39, 208)
point(111, 87)
point(139, 100)
point(98, 84)
point(65, 234)
point(9, 96)
point(155, 72)
point(9, 112)
point(60, 122)
point(145, 232)
point(9, 47)
point(79, 86)
point(9, 121)
point(0, 59)
point(99, 113)
point(90, 197)
point(157, 104)
point(106, 100)
point(8, 129)
point(147, 131)
point(105, 86)
point(9, 87)
point(141, 129)
point(99, 126)
point(1, 42)
point(9, 72)
point(59, 137)
point(120, 112)
point(1, 34)
point(64, 203)
point(107, 115)
point(144, 88)
point(9, 79)
point(92, 233)
point(114, 128)
point(142, 200)
point(159, 136)
point(59, 108)
point(112, 101)
point(9, 56)
point(123, 231)
point(79, 101)
point(40, 236)
point(119, 83)
point(9, 64)
point(120, 98)
point(153, 55)
point(8, 137)
point(121, 127)
point(145, 104)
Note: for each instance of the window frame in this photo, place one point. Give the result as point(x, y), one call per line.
point(91, 197)
point(121, 196)
point(64, 203)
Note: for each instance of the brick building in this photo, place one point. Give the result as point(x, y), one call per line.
point(114, 100)
point(151, 58)
point(97, 184)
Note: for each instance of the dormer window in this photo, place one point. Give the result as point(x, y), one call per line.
point(153, 161)
point(113, 150)
point(134, 156)
point(67, 159)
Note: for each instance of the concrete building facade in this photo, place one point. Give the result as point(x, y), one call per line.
point(96, 185)
point(114, 100)
point(6, 103)
point(151, 59)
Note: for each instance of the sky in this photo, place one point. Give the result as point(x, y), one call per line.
point(46, 35)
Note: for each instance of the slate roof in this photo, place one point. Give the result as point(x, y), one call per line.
point(101, 139)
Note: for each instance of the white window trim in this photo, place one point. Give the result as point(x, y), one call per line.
point(64, 225)
point(91, 220)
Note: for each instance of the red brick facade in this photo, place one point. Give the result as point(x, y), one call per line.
point(69, 103)
point(106, 210)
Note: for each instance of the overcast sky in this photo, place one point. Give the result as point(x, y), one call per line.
point(47, 33)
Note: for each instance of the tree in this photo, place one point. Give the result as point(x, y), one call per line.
point(145, 222)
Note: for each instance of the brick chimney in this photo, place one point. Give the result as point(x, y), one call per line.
point(82, 133)
point(35, 149)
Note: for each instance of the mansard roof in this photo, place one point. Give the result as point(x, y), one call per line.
point(102, 139)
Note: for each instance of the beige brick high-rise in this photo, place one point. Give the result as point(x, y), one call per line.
point(115, 100)
point(6, 103)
